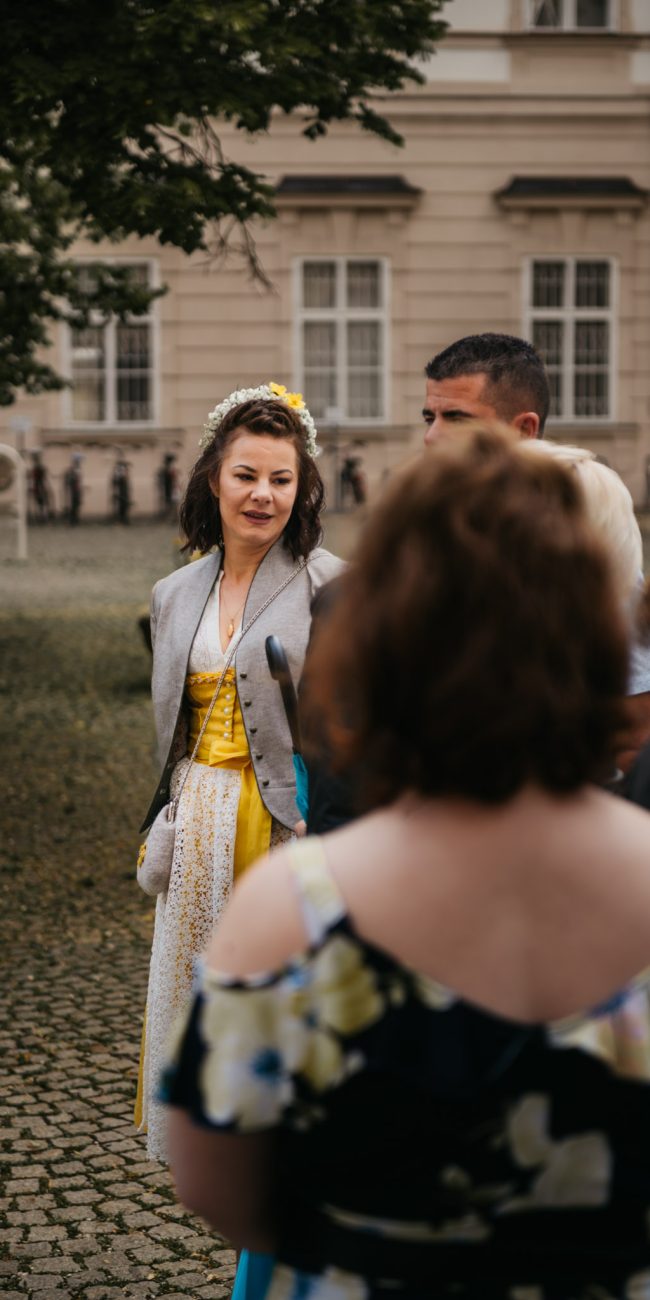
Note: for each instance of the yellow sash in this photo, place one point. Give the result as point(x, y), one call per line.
point(224, 744)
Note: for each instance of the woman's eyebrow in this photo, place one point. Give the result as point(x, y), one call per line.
point(251, 469)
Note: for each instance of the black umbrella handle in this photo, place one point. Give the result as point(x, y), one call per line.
point(281, 673)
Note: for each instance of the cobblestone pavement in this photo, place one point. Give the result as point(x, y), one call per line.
point(83, 1213)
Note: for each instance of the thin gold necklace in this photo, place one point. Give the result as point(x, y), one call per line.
point(230, 628)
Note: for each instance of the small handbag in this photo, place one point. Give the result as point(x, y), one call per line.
point(157, 853)
point(154, 866)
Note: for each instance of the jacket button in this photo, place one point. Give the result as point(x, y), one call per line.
point(259, 757)
point(252, 730)
point(243, 676)
point(247, 704)
point(264, 783)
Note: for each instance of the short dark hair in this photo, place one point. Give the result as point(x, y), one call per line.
point(514, 372)
point(200, 517)
point(478, 642)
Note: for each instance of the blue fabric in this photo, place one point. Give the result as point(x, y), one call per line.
point(253, 1276)
point(302, 785)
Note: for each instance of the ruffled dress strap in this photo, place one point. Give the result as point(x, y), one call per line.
point(319, 898)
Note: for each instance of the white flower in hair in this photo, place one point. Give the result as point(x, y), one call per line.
point(265, 393)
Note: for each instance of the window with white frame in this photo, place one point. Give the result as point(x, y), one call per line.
point(342, 323)
point(570, 323)
point(112, 363)
point(571, 15)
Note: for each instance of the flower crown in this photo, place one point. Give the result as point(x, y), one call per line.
point(265, 393)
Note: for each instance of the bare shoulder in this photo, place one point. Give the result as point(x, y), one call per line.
point(614, 840)
point(262, 926)
point(621, 814)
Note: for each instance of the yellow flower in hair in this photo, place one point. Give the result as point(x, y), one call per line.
point(295, 400)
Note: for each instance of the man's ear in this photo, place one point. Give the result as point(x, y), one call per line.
point(527, 424)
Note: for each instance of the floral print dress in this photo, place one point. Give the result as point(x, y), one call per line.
point(428, 1148)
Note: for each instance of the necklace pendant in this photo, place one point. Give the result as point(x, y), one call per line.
point(230, 629)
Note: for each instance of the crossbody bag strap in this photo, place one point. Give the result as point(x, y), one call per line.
point(173, 805)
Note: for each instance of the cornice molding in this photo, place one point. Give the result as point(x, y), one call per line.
point(345, 191)
point(585, 193)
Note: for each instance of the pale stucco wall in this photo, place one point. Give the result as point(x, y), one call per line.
point(497, 102)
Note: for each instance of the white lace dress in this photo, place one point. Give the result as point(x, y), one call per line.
point(200, 882)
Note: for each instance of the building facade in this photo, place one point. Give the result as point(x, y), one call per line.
point(518, 203)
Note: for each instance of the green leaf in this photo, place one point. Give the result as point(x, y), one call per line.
point(107, 116)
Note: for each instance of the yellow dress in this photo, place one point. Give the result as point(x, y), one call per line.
point(224, 744)
point(222, 827)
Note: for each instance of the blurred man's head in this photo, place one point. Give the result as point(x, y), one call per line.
point(486, 377)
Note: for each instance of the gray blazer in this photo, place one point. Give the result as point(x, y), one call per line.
point(177, 604)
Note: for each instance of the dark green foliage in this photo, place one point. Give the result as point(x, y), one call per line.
point(107, 115)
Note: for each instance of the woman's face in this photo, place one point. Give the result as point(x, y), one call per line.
point(256, 488)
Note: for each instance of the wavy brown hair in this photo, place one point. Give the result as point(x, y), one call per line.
point(478, 642)
point(200, 516)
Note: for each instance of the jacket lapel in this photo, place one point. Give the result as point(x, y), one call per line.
point(201, 577)
point(275, 567)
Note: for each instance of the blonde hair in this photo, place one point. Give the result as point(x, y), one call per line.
point(610, 510)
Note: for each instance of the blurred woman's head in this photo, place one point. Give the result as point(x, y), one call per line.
point(479, 642)
point(274, 420)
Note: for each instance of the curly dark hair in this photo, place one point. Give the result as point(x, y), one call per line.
point(514, 372)
point(478, 642)
point(199, 513)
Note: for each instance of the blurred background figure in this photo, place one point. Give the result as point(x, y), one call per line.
point(121, 492)
point(168, 486)
point(39, 490)
point(419, 1048)
point(73, 489)
point(353, 482)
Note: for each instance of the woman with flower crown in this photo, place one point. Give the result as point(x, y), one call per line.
point(252, 510)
